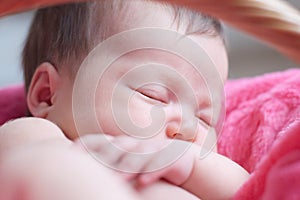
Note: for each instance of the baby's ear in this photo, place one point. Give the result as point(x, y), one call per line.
point(42, 90)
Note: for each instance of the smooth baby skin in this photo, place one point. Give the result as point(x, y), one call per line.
point(28, 169)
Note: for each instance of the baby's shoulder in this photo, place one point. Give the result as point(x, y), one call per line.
point(31, 126)
point(25, 130)
point(27, 121)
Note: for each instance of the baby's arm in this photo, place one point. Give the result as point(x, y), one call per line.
point(215, 177)
point(37, 162)
point(211, 177)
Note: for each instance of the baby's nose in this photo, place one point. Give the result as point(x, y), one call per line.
point(184, 130)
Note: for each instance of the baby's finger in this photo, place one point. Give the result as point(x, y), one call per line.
point(125, 144)
point(93, 142)
point(100, 147)
point(146, 179)
point(110, 150)
point(132, 163)
point(137, 158)
point(128, 176)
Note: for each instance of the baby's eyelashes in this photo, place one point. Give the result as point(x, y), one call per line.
point(203, 123)
point(204, 117)
point(155, 92)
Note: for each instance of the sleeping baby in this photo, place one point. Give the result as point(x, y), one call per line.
point(124, 102)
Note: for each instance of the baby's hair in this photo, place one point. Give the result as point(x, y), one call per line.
point(64, 35)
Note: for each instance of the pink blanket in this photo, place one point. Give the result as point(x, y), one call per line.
point(261, 131)
point(12, 103)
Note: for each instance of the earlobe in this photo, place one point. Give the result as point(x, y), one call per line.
point(42, 89)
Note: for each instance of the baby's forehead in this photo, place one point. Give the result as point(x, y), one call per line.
point(146, 13)
point(140, 14)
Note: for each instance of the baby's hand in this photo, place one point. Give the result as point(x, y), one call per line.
point(144, 161)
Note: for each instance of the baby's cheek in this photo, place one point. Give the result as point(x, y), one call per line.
point(207, 138)
point(139, 112)
point(146, 119)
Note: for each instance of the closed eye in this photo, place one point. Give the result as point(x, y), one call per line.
point(205, 120)
point(155, 93)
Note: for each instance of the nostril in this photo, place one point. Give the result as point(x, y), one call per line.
point(177, 136)
point(180, 136)
point(172, 132)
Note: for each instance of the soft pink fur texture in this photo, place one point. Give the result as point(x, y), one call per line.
point(261, 131)
point(12, 103)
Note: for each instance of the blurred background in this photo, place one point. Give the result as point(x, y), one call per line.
point(247, 56)
point(250, 57)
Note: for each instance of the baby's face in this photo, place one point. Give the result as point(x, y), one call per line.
point(150, 93)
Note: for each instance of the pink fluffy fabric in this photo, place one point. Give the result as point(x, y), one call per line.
point(12, 103)
point(261, 131)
